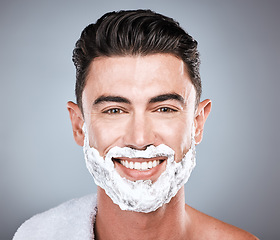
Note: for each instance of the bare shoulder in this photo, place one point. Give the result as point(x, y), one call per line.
point(207, 227)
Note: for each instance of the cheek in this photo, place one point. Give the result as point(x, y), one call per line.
point(177, 135)
point(104, 135)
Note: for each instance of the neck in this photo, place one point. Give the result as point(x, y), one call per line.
point(167, 222)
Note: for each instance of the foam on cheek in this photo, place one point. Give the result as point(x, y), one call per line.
point(140, 195)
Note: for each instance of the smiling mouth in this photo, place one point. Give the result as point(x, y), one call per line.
point(139, 165)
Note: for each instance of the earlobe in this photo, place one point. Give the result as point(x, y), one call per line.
point(202, 113)
point(77, 122)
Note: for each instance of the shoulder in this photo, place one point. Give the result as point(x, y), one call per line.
point(72, 218)
point(207, 227)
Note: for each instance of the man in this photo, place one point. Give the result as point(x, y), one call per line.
point(138, 117)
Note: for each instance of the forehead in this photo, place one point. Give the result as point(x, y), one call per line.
point(141, 76)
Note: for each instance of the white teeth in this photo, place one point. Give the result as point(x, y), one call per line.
point(144, 165)
point(140, 165)
point(154, 163)
point(137, 165)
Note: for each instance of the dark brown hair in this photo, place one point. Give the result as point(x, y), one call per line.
point(134, 32)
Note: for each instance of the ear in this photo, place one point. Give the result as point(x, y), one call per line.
point(202, 113)
point(77, 121)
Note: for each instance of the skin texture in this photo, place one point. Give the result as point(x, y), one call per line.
point(137, 101)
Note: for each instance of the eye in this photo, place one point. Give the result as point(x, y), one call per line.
point(166, 110)
point(113, 111)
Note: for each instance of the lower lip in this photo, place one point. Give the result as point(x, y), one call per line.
point(134, 175)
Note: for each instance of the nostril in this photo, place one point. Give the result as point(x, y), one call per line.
point(137, 147)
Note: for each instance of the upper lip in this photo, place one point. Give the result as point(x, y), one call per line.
point(162, 158)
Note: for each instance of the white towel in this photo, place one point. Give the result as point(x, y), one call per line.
point(72, 220)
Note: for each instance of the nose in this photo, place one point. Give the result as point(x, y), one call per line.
point(139, 132)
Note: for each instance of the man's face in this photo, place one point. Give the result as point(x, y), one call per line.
point(137, 101)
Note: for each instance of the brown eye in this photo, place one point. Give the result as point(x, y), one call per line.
point(114, 111)
point(166, 110)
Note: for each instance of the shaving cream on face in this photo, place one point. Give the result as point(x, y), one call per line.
point(141, 195)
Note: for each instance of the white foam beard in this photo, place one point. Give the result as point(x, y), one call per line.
point(141, 195)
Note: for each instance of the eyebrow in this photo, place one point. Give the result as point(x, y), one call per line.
point(169, 96)
point(103, 99)
point(159, 98)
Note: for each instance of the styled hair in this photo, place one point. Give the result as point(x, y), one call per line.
point(130, 33)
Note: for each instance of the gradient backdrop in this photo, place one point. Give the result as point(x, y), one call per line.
point(237, 174)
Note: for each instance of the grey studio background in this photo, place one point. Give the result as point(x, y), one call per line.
point(236, 179)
